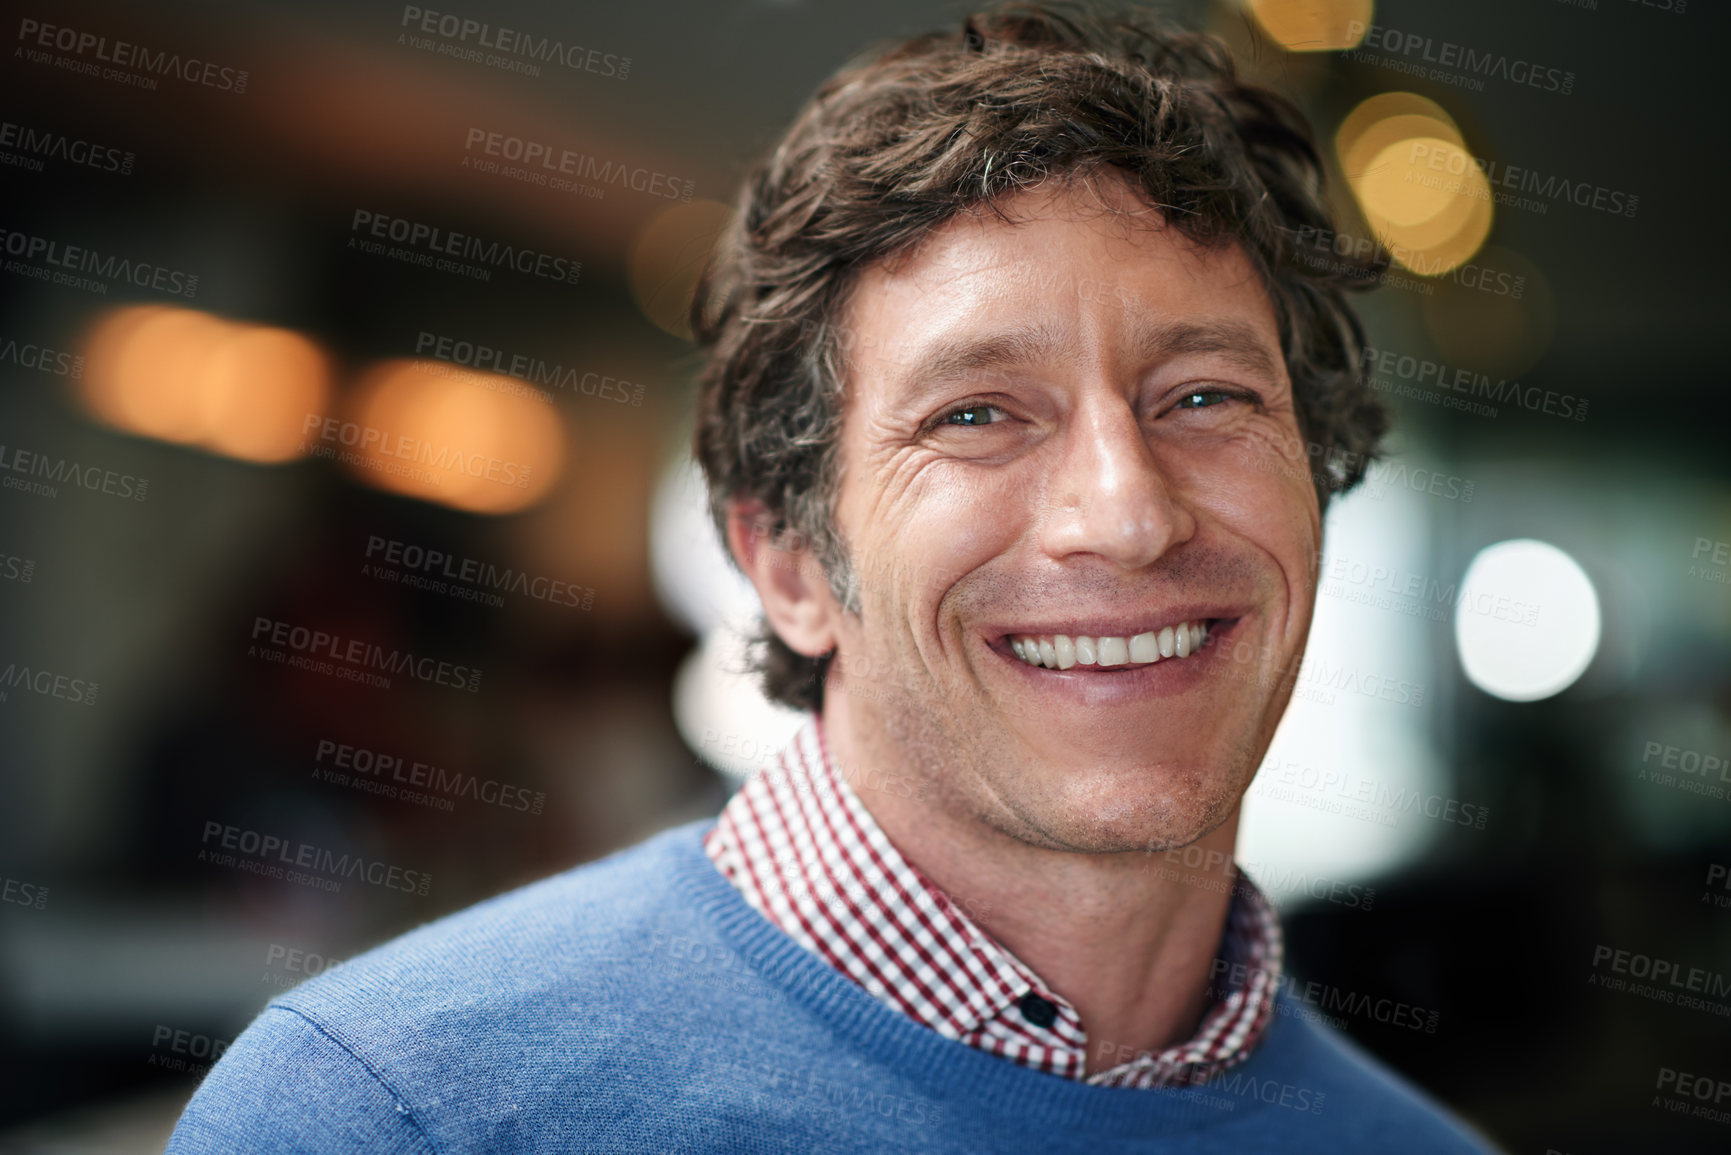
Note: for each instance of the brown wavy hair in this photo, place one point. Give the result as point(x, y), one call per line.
point(891, 148)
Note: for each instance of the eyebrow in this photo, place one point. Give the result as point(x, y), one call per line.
point(951, 359)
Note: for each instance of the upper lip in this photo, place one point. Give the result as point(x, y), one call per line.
point(1126, 625)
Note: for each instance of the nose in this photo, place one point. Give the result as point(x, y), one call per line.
point(1109, 494)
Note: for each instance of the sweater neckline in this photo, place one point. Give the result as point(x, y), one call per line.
point(958, 1075)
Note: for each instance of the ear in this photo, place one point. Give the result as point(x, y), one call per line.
point(790, 581)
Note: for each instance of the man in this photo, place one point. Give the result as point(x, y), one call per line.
point(1020, 414)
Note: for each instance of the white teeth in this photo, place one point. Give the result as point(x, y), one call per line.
point(1062, 652)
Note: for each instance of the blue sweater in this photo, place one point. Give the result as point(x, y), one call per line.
point(638, 1004)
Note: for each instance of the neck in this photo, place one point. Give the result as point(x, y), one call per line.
point(1127, 939)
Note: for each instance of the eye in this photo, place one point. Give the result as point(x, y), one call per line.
point(974, 415)
point(1218, 403)
point(1204, 399)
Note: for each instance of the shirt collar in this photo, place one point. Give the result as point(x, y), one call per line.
point(807, 854)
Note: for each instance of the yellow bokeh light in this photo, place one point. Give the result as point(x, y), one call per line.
point(1433, 258)
point(474, 441)
point(1314, 25)
point(1422, 193)
point(184, 376)
point(1387, 106)
point(1377, 138)
point(669, 255)
point(1393, 187)
point(1429, 202)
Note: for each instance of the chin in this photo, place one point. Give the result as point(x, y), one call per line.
point(1145, 808)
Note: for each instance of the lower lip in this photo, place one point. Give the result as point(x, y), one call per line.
point(1120, 685)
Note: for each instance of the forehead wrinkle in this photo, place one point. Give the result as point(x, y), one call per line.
point(1235, 341)
point(954, 358)
point(958, 356)
point(1145, 339)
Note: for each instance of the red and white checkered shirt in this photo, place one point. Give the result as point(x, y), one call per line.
point(802, 849)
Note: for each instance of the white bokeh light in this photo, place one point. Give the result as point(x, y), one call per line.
point(722, 714)
point(694, 580)
point(717, 705)
point(1340, 792)
point(1527, 621)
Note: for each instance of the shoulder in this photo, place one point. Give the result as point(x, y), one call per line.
point(454, 1022)
point(1351, 1096)
point(287, 1086)
point(517, 946)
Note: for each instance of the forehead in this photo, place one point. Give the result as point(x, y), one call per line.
point(1078, 268)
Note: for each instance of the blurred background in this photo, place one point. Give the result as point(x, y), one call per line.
point(344, 505)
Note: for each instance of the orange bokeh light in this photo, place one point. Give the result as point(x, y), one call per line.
point(668, 256)
point(474, 441)
point(257, 386)
point(184, 376)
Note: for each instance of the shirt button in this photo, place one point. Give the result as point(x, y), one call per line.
point(1041, 1012)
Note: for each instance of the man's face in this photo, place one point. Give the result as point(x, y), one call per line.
point(1072, 425)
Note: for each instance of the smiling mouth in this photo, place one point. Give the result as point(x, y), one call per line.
point(1064, 651)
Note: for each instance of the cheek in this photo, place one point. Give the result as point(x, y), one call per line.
point(945, 524)
point(1262, 466)
point(1280, 515)
point(1261, 490)
point(1271, 446)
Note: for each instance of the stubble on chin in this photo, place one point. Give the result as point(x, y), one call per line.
point(973, 769)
